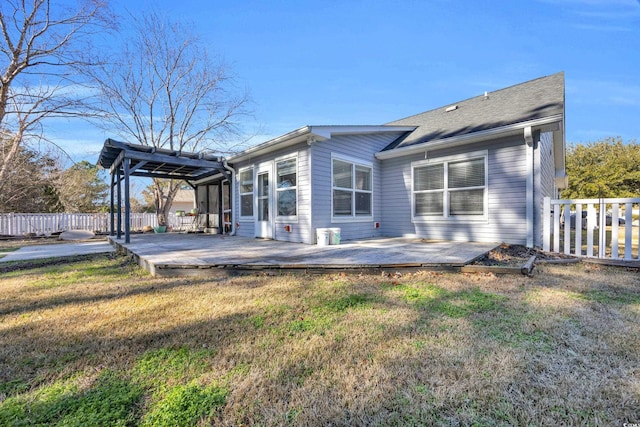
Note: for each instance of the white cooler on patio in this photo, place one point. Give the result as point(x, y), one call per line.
point(322, 236)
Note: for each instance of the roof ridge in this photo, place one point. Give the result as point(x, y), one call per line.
point(528, 82)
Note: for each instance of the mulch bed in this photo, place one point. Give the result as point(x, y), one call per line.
point(514, 259)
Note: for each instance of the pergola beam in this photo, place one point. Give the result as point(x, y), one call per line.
point(116, 164)
point(173, 160)
point(163, 175)
point(136, 167)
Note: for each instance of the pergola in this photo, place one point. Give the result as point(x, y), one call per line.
point(125, 160)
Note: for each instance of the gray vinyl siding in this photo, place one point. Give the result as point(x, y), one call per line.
point(349, 147)
point(300, 229)
point(396, 194)
point(506, 219)
point(244, 227)
point(544, 181)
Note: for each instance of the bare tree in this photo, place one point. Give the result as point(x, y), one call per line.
point(42, 49)
point(164, 90)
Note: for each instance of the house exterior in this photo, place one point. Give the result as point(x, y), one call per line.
point(475, 170)
point(184, 200)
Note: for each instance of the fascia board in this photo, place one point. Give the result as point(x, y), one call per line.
point(281, 141)
point(559, 150)
point(328, 131)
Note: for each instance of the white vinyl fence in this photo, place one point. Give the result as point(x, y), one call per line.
point(21, 224)
point(595, 228)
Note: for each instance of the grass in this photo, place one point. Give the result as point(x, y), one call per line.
point(99, 342)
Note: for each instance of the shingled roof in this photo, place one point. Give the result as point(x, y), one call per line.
point(535, 99)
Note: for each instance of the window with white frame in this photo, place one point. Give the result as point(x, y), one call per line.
point(287, 187)
point(352, 189)
point(450, 188)
point(246, 193)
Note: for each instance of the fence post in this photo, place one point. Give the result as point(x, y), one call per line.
point(556, 226)
point(546, 228)
point(602, 232)
point(591, 224)
point(578, 249)
point(567, 228)
point(628, 228)
point(615, 208)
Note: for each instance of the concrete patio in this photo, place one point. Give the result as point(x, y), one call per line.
point(26, 253)
point(174, 254)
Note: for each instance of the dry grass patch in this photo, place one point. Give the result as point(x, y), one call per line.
point(99, 342)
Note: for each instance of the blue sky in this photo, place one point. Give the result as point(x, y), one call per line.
point(371, 62)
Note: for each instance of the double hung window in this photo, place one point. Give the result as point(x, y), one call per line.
point(286, 190)
point(352, 189)
point(447, 189)
point(246, 193)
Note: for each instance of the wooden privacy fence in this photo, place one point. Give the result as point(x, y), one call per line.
point(45, 224)
point(596, 228)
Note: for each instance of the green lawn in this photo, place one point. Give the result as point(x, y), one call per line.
point(98, 342)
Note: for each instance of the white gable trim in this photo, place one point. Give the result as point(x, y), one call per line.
point(313, 134)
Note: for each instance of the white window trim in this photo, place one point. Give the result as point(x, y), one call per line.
point(356, 162)
point(253, 193)
point(484, 218)
point(286, 218)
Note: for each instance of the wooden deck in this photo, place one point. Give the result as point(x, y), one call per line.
point(174, 254)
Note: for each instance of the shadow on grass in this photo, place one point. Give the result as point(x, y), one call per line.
point(308, 352)
point(27, 267)
point(147, 394)
point(151, 375)
point(22, 306)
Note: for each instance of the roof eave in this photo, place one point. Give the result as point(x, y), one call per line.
point(281, 141)
point(312, 134)
point(470, 138)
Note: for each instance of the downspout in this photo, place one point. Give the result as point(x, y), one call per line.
point(312, 234)
point(232, 196)
point(529, 159)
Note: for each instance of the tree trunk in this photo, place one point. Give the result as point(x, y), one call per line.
point(162, 218)
point(164, 193)
point(9, 156)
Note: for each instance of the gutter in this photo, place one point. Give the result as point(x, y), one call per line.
point(529, 186)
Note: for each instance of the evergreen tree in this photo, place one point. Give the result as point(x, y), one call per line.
point(605, 168)
point(29, 184)
point(81, 189)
